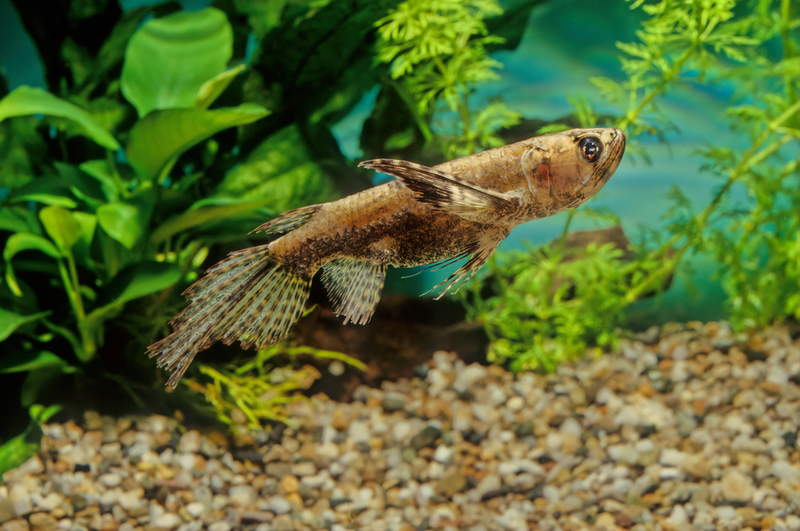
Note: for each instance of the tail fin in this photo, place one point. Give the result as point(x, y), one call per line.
point(246, 297)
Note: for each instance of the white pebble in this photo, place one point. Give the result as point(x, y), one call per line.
point(167, 520)
point(195, 509)
point(515, 403)
point(443, 453)
point(110, 480)
point(279, 505)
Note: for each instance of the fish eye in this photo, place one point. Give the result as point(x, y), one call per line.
point(590, 149)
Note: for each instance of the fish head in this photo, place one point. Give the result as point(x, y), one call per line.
point(567, 168)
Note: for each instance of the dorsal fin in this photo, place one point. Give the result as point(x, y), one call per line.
point(288, 221)
point(354, 287)
point(446, 191)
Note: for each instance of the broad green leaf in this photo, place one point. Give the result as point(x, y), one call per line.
point(48, 190)
point(61, 226)
point(10, 321)
point(163, 135)
point(139, 280)
point(215, 86)
point(168, 59)
point(131, 283)
point(28, 100)
point(87, 223)
point(280, 170)
point(205, 214)
point(41, 414)
point(23, 361)
point(24, 241)
point(100, 170)
point(15, 218)
point(22, 149)
point(121, 221)
point(16, 451)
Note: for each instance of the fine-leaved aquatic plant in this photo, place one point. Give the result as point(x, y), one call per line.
point(753, 48)
point(436, 49)
point(244, 396)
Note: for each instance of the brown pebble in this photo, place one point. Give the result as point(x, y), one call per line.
point(340, 421)
point(288, 485)
point(42, 522)
point(771, 388)
point(16, 525)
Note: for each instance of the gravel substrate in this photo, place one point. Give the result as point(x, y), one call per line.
point(686, 428)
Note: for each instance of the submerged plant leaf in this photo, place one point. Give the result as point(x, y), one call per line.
point(25, 241)
point(10, 321)
point(215, 86)
point(23, 361)
point(168, 59)
point(121, 221)
point(280, 170)
point(141, 279)
point(28, 100)
point(19, 449)
point(163, 135)
point(61, 226)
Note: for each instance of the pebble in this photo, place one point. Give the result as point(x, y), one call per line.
point(242, 495)
point(694, 428)
point(279, 505)
point(736, 487)
point(167, 521)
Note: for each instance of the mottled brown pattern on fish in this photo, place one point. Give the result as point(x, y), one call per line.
point(461, 208)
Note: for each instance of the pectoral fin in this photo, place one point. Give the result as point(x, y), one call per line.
point(354, 287)
point(468, 269)
point(446, 191)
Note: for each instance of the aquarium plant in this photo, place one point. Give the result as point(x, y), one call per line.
point(548, 305)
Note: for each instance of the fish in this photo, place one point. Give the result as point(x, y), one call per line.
point(458, 210)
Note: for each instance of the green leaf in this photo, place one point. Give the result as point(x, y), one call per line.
point(16, 451)
point(61, 226)
point(28, 100)
point(49, 190)
point(139, 280)
point(280, 170)
point(202, 215)
point(22, 150)
point(14, 218)
point(10, 321)
point(23, 361)
point(131, 283)
point(215, 86)
point(122, 222)
point(41, 414)
point(100, 170)
point(24, 241)
point(163, 135)
point(168, 59)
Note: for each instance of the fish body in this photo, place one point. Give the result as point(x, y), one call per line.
point(464, 207)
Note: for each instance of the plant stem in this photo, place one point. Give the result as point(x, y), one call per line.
point(631, 116)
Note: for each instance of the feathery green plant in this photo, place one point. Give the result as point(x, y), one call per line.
point(247, 394)
point(753, 48)
point(436, 49)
